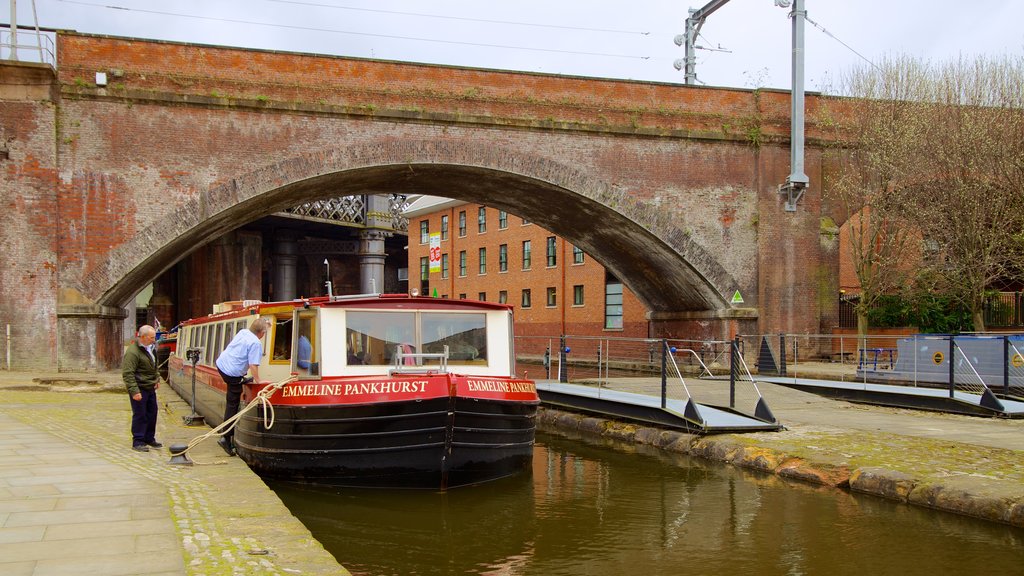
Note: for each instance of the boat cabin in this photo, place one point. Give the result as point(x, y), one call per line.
point(363, 336)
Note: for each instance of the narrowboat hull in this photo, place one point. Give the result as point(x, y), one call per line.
point(436, 432)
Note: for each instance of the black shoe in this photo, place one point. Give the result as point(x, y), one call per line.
point(225, 443)
point(154, 444)
point(140, 448)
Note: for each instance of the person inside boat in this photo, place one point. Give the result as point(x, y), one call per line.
point(305, 353)
point(240, 357)
point(142, 378)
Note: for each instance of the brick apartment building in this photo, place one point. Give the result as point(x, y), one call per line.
point(489, 254)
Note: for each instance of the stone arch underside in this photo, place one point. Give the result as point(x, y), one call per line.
point(664, 267)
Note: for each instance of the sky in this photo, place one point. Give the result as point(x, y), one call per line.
point(748, 42)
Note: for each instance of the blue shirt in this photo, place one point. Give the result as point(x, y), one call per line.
point(305, 352)
point(244, 350)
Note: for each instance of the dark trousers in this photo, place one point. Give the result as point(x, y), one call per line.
point(233, 398)
point(144, 418)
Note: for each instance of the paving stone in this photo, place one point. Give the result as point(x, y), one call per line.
point(78, 478)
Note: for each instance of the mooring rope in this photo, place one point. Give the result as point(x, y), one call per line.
point(262, 399)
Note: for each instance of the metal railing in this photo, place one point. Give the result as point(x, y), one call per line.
point(1004, 310)
point(413, 362)
point(995, 362)
point(28, 46)
point(979, 361)
point(708, 372)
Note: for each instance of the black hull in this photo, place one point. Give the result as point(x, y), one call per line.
point(399, 444)
point(433, 444)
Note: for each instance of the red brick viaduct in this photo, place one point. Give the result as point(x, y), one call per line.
point(673, 188)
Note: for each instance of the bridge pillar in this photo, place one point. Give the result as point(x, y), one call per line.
point(285, 258)
point(371, 261)
point(89, 337)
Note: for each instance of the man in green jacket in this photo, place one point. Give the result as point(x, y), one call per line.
point(141, 378)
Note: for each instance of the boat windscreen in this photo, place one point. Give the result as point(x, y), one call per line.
point(373, 337)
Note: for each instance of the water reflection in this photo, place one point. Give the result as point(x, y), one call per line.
point(589, 509)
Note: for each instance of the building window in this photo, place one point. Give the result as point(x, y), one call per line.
point(577, 255)
point(503, 258)
point(577, 295)
point(444, 265)
point(483, 261)
point(552, 259)
point(481, 220)
point(482, 296)
point(551, 297)
point(425, 268)
point(503, 297)
point(526, 298)
point(424, 231)
point(502, 219)
point(526, 255)
point(462, 223)
point(462, 263)
point(525, 222)
point(444, 227)
point(462, 296)
point(613, 305)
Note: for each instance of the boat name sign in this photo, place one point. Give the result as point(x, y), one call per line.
point(356, 388)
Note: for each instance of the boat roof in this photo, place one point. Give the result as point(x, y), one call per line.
point(367, 301)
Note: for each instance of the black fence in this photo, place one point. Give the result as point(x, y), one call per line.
point(1002, 310)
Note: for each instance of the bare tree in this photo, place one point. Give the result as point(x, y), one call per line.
point(971, 197)
point(875, 161)
point(934, 153)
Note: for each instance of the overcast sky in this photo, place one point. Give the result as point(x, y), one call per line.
point(603, 38)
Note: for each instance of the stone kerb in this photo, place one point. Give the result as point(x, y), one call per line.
point(346, 170)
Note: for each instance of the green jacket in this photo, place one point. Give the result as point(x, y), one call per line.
point(138, 370)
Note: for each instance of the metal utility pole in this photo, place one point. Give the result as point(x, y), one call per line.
point(14, 30)
point(797, 181)
point(689, 39)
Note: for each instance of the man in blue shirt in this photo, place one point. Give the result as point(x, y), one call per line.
point(242, 355)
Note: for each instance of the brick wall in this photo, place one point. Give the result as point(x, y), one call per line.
point(539, 319)
point(673, 186)
point(28, 235)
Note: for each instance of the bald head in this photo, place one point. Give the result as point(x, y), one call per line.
point(147, 335)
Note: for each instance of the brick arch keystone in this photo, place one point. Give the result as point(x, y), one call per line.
point(636, 240)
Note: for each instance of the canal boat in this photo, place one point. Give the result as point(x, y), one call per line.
point(389, 390)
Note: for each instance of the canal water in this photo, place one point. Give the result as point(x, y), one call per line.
point(596, 507)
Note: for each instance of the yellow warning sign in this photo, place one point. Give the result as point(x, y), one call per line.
point(1017, 361)
point(938, 357)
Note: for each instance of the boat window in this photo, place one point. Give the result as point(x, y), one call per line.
point(307, 360)
point(215, 344)
point(206, 358)
point(464, 334)
point(282, 340)
point(373, 337)
point(229, 335)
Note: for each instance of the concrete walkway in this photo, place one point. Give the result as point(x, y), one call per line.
point(75, 499)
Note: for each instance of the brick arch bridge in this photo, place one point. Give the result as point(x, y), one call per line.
point(673, 188)
point(551, 194)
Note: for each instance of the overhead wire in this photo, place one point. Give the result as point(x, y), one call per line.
point(834, 37)
point(460, 18)
point(354, 33)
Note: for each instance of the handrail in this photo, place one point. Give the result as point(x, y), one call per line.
point(749, 375)
point(678, 372)
point(699, 361)
point(46, 54)
point(401, 356)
